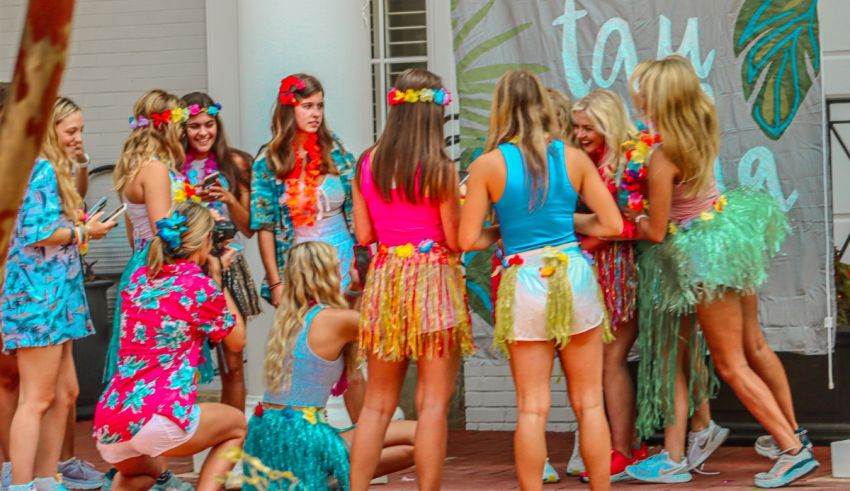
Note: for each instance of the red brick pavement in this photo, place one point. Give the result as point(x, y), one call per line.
point(479, 460)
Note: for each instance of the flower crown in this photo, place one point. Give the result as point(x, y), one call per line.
point(173, 115)
point(441, 96)
point(196, 109)
point(288, 86)
point(169, 230)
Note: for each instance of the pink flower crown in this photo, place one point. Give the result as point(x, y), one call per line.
point(441, 96)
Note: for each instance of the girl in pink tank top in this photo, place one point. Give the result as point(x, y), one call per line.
point(414, 301)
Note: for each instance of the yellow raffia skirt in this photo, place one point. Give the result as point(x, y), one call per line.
point(414, 304)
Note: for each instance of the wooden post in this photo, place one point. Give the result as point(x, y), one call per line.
point(29, 104)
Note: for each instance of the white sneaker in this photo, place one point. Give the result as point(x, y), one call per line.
point(766, 445)
point(575, 466)
point(702, 444)
point(787, 469)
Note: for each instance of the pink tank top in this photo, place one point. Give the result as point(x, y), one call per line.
point(399, 222)
point(685, 208)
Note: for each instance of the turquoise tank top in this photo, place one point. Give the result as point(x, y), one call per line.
point(549, 222)
point(312, 376)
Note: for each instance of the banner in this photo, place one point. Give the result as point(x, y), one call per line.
point(758, 59)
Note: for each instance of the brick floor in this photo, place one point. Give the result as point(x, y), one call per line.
point(484, 460)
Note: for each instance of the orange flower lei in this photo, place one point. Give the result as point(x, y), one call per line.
point(302, 200)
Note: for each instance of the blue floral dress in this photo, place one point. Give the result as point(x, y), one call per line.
point(44, 301)
point(268, 212)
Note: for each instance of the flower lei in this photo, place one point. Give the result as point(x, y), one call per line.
point(173, 115)
point(630, 195)
point(440, 96)
point(183, 190)
point(301, 199)
point(288, 87)
point(210, 166)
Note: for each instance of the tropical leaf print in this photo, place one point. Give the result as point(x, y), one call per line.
point(779, 39)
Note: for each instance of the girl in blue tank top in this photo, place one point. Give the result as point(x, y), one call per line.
point(289, 439)
point(548, 296)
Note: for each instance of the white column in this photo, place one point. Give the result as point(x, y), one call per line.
point(325, 38)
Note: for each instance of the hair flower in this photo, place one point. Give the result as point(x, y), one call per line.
point(140, 122)
point(169, 229)
point(214, 109)
point(439, 96)
point(288, 86)
point(426, 95)
point(194, 110)
point(411, 95)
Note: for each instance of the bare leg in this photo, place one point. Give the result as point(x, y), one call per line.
point(723, 325)
point(434, 387)
point(764, 361)
point(138, 473)
point(56, 418)
point(382, 391)
point(619, 389)
point(397, 453)
point(582, 363)
point(221, 428)
point(676, 433)
point(531, 368)
point(8, 399)
point(68, 441)
point(233, 381)
point(701, 417)
point(39, 370)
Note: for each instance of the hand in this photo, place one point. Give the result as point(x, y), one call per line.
point(631, 214)
point(217, 193)
point(204, 194)
point(355, 285)
point(592, 244)
point(227, 257)
point(97, 229)
point(276, 293)
point(79, 155)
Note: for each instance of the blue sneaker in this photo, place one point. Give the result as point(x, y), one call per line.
point(787, 469)
point(6, 475)
point(79, 474)
point(49, 484)
point(660, 468)
point(550, 475)
point(766, 445)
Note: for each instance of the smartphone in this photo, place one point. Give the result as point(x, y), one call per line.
point(115, 213)
point(99, 206)
point(210, 180)
point(464, 179)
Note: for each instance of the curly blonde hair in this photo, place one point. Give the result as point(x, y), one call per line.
point(311, 276)
point(607, 111)
point(150, 142)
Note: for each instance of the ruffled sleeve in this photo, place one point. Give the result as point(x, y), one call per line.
point(41, 210)
point(263, 200)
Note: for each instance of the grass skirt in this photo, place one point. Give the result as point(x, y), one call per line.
point(293, 449)
point(548, 294)
point(616, 269)
point(729, 248)
point(414, 304)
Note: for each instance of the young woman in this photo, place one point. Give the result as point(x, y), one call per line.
point(562, 114)
point(170, 308)
point(712, 252)
point(207, 153)
point(301, 184)
point(534, 183)
point(44, 308)
point(414, 303)
point(306, 355)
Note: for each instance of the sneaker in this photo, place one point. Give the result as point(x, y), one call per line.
point(550, 475)
point(108, 476)
point(660, 469)
point(575, 466)
point(79, 474)
point(766, 445)
point(640, 453)
point(787, 469)
point(49, 484)
point(6, 475)
point(702, 444)
point(619, 462)
point(167, 481)
point(21, 487)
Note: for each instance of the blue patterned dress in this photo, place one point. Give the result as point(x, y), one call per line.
point(44, 301)
point(268, 212)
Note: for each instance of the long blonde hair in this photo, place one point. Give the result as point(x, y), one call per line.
point(521, 112)
point(607, 112)
point(150, 142)
point(199, 223)
point(52, 150)
point(669, 93)
point(562, 115)
point(311, 276)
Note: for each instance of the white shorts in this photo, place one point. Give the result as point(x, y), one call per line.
point(156, 437)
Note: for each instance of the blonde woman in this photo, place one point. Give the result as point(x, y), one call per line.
point(713, 251)
point(44, 307)
point(308, 350)
point(548, 298)
point(562, 115)
point(171, 308)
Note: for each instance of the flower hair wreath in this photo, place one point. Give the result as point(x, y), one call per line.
point(440, 96)
point(288, 86)
point(173, 115)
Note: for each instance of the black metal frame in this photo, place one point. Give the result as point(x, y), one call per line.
point(832, 131)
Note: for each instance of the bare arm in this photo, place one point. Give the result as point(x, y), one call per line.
point(662, 174)
point(450, 218)
point(82, 180)
point(265, 239)
point(238, 207)
point(156, 190)
point(606, 219)
point(473, 236)
point(364, 230)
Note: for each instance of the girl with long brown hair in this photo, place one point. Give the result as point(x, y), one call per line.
point(548, 300)
point(414, 304)
point(301, 184)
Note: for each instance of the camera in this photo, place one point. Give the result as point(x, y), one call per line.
point(222, 232)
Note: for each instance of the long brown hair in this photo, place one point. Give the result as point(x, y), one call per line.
point(222, 150)
point(52, 150)
point(521, 112)
point(281, 158)
point(150, 142)
point(410, 155)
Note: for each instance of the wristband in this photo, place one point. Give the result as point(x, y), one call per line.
point(272, 287)
point(641, 217)
point(84, 165)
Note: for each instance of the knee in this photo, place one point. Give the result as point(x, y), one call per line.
point(534, 407)
point(384, 407)
point(586, 401)
point(432, 408)
point(38, 403)
point(730, 370)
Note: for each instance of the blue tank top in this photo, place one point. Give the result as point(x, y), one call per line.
point(549, 222)
point(312, 376)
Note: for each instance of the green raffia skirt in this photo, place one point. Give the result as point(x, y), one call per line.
point(293, 449)
point(727, 248)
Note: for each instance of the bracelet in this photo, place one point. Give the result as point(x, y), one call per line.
point(272, 287)
point(354, 293)
point(84, 165)
point(73, 236)
point(640, 217)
